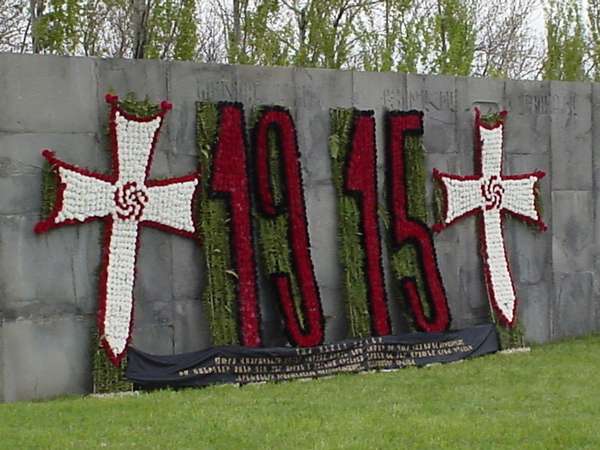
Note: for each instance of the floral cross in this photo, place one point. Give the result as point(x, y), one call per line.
point(490, 194)
point(125, 200)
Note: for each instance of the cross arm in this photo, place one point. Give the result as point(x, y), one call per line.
point(520, 198)
point(462, 196)
point(82, 196)
point(171, 203)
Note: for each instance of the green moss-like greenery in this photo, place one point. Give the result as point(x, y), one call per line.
point(510, 338)
point(438, 201)
point(140, 108)
point(350, 247)
point(491, 118)
point(106, 377)
point(405, 262)
point(219, 295)
point(49, 189)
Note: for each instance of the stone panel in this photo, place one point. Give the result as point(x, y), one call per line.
point(436, 97)
point(190, 327)
point(146, 78)
point(472, 286)
point(323, 231)
point(153, 330)
point(59, 266)
point(574, 311)
point(571, 136)
point(154, 278)
point(572, 231)
point(188, 269)
point(334, 314)
point(534, 310)
point(48, 94)
point(45, 358)
point(265, 86)
point(529, 121)
point(596, 134)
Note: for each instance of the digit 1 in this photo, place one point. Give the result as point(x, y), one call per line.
point(360, 179)
point(230, 179)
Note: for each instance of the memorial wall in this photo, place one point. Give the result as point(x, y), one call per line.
point(53, 283)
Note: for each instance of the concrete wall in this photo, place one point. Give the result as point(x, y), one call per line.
point(48, 283)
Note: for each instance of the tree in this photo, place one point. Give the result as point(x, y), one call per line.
point(507, 45)
point(452, 37)
point(391, 36)
point(565, 41)
point(13, 25)
point(593, 10)
point(168, 30)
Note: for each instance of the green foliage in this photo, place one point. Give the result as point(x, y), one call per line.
point(544, 399)
point(452, 37)
point(107, 378)
point(324, 34)
point(56, 31)
point(186, 39)
point(510, 338)
point(160, 28)
point(593, 10)
point(140, 108)
point(253, 40)
point(491, 118)
point(400, 45)
point(405, 262)
point(565, 41)
point(92, 28)
point(171, 30)
point(314, 33)
point(438, 201)
point(219, 294)
point(49, 189)
point(350, 246)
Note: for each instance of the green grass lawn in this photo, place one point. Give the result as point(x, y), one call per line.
point(546, 399)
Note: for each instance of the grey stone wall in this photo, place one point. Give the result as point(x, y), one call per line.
point(48, 283)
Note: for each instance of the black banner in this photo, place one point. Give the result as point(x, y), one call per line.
point(233, 364)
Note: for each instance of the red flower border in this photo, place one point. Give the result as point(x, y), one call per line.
point(279, 119)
